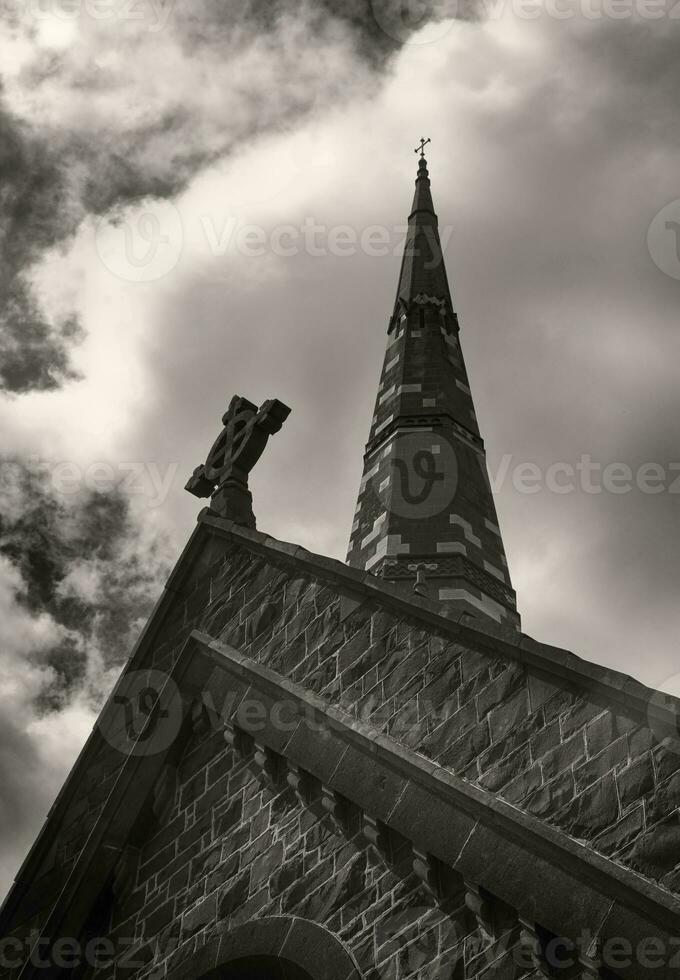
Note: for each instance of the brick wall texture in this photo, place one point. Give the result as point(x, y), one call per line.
point(230, 846)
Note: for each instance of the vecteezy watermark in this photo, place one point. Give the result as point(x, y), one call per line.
point(134, 477)
point(151, 13)
point(69, 952)
point(142, 244)
point(228, 234)
point(586, 476)
point(252, 715)
point(415, 21)
point(589, 10)
point(394, 935)
point(663, 714)
point(145, 245)
point(419, 477)
point(145, 713)
point(559, 954)
point(663, 237)
point(425, 21)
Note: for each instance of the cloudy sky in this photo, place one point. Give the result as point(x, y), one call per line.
point(202, 198)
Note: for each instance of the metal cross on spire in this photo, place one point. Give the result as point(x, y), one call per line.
point(224, 475)
point(423, 143)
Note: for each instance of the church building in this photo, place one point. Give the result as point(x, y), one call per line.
point(317, 770)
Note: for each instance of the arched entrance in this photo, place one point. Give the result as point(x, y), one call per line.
point(272, 948)
point(260, 968)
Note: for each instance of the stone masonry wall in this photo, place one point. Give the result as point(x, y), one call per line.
point(231, 848)
point(556, 753)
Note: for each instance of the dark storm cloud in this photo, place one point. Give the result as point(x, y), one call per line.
point(34, 215)
point(78, 560)
point(78, 576)
point(52, 177)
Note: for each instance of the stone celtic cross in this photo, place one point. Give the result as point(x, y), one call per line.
point(224, 475)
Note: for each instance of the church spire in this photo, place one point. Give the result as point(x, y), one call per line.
point(425, 516)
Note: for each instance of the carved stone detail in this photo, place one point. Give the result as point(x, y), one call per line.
point(425, 868)
point(334, 806)
point(376, 834)
point(480, 906)
point(531, 941)
point(237, 739)
point(268, 763)
point(200, 718)
point(590, 960)
point(299, 781)
point(224, 475)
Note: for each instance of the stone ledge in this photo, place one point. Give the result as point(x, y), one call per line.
point(619, 689)
point(465, 825)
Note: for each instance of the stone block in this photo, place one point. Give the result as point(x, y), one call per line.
point(591, 811)
point(234, 894)
point(665, 799)
point(552, 796)
point(224, 871)
point(540, 690)
point(448, 731)
point(611, 757)
point(622, 833)
point(523, 785)
point(655, 853)
point(466, 748)
point(506, 770)
point(600, 733)
point(288, 874)
point(636, 781)
point(507, 716)
point(578, 715)
point(500, 689)
point(545, 739)
point(264, 866)
point(199, 917)
point(472, 662)
point(667, 758)
point(564, 756)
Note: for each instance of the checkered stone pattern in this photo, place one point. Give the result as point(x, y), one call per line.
point(425, 503)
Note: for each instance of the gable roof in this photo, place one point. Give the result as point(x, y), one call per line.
point(468, 824)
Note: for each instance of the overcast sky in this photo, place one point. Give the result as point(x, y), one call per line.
point(194, 207)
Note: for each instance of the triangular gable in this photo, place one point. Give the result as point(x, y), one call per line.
point(275, 601)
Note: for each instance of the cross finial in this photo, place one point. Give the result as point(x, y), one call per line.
point(423, 143)
point(224, 475)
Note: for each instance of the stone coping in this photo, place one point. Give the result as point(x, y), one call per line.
point(465, 824)
point(553, 663)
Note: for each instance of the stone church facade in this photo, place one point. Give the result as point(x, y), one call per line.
point(312, 769)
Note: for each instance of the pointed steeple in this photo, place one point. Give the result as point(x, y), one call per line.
point(425, 503)
point(422, 267)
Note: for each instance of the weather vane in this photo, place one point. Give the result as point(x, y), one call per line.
point(423, 143)
point(224, 475)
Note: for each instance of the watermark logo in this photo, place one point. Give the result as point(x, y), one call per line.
point(68, 478)
point(423, 476)
point(663, 714)
point(141, 246)
point(586, 475)
point(413, 21)
point(151, 14)
point(145, 714)
point(663, 239)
